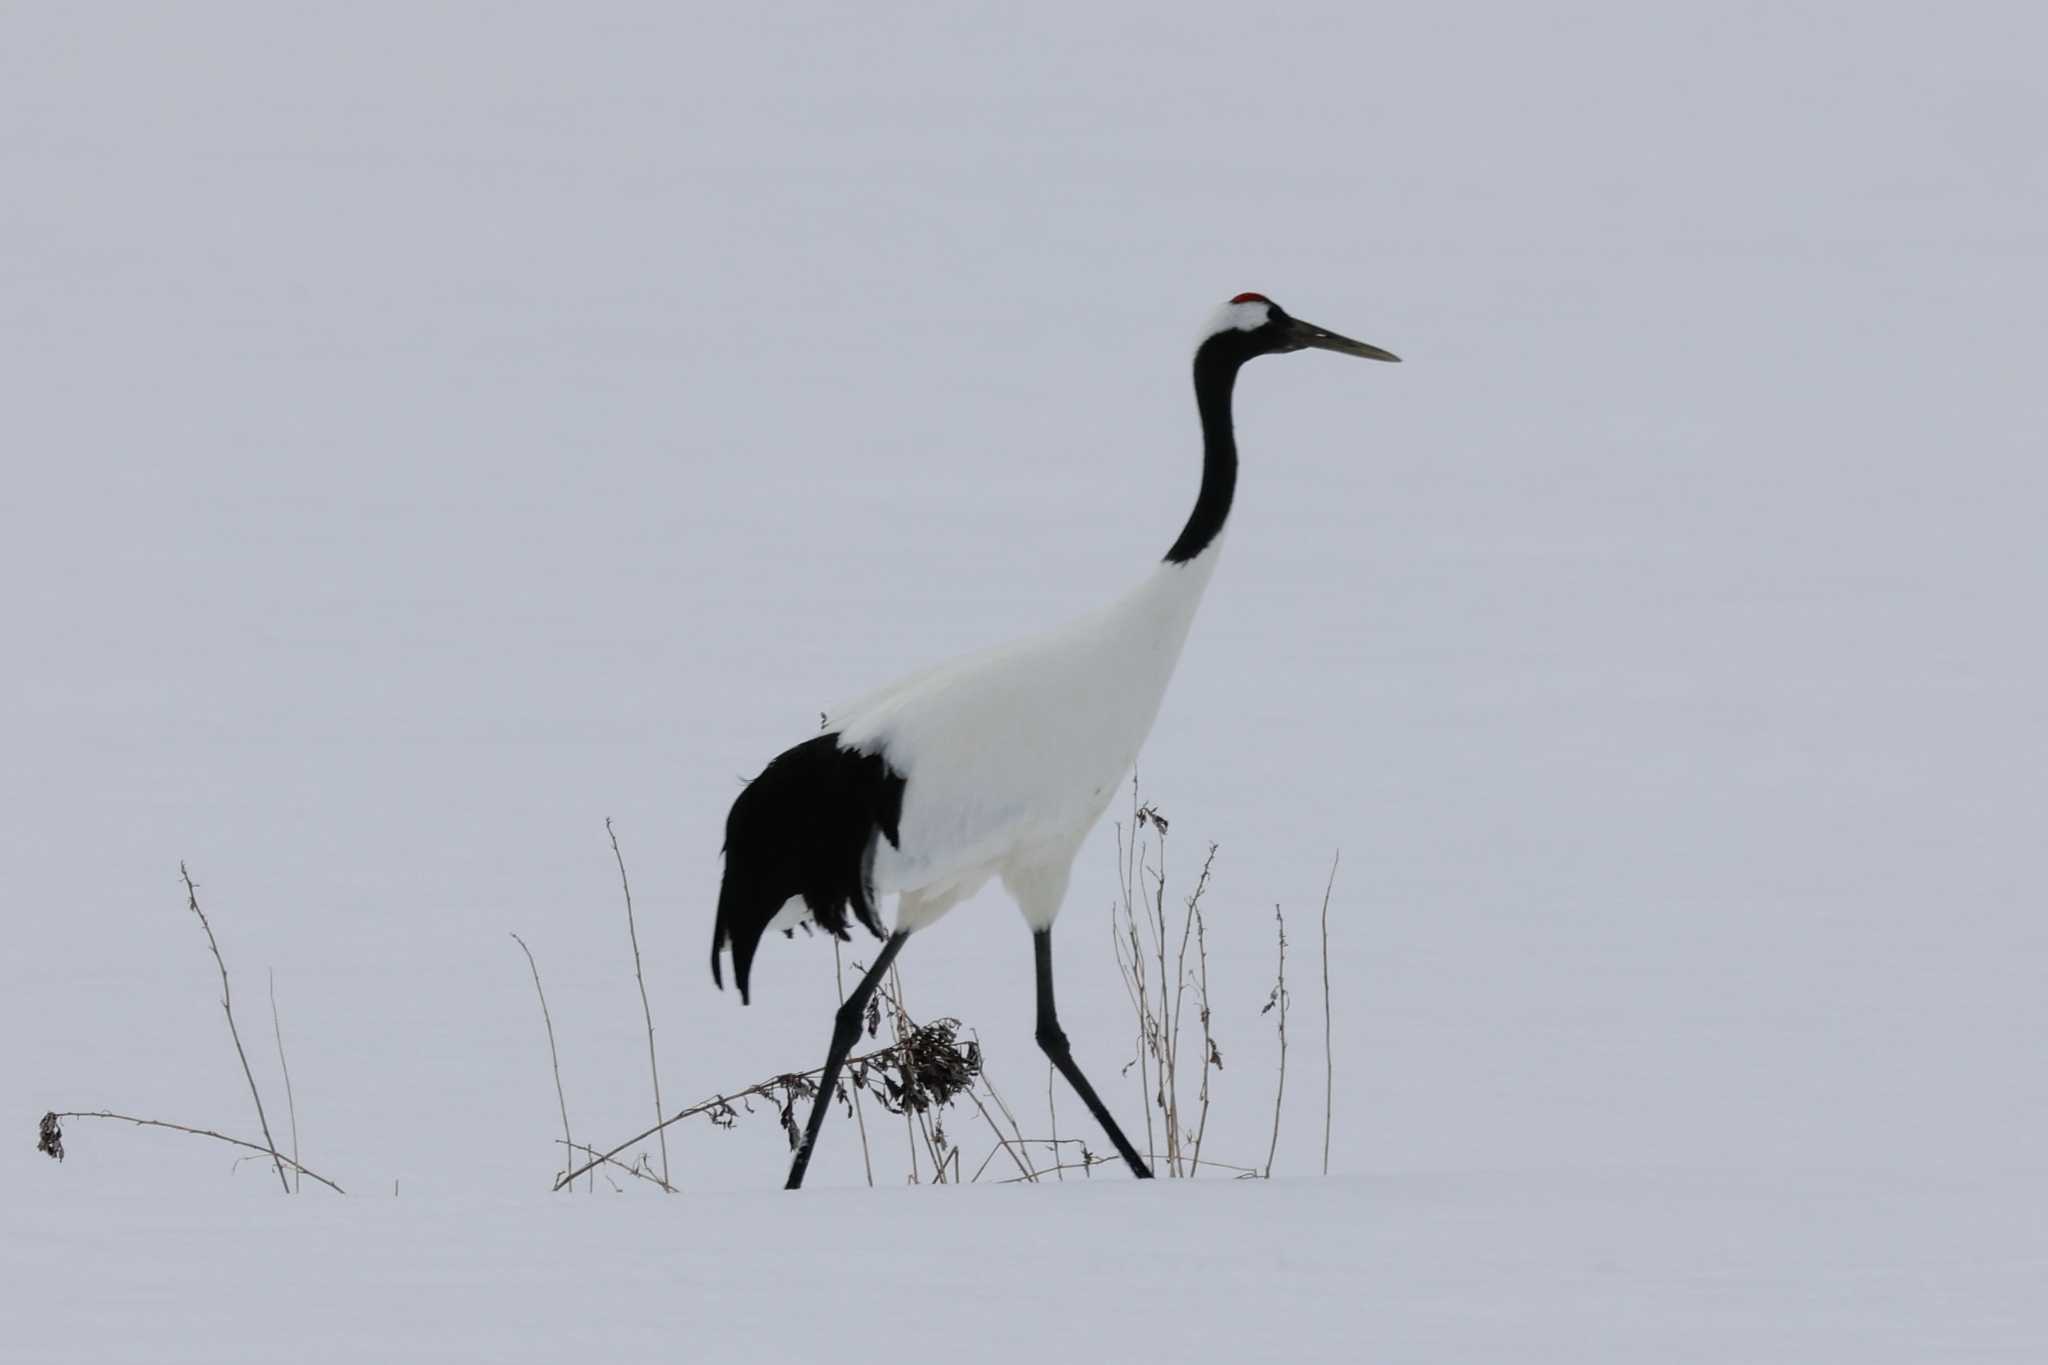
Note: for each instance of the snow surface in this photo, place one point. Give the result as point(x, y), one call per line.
point(430, 432)
point(1622, 1267)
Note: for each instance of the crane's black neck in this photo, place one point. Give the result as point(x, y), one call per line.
point(1216, 367)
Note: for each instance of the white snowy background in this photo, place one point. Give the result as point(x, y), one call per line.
point(430, 430)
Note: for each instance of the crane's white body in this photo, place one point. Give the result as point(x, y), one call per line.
point(1012, 754)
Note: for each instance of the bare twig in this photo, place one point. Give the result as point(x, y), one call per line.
point(1029, 1175)
point(633, 932)
point(860, 1121)
point(1329, 1064)
point(891, 992)
point(1130, 952)
point(1052, 1113)
point(720, 1107)
point(554, 1058)
point(1169, 1010)
point(1141, 933)
point(291, 1105)
point(49, 1121)
point(636, 1169)
point(1016, 1134)
point(1091, 1161)
point(920, 1120)
point(227, 1006)
point(1278, 998)
point(1003, 1143)
point(1178, 1143)
point(1210, 1056)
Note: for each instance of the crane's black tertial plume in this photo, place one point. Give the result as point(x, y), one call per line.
point(805, 828)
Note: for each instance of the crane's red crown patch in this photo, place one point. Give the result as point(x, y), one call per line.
point(1251, 298)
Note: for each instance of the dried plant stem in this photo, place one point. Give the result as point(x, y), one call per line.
point(227, 1006)
point(1110, 1159)
point(860, 1121)
point(636, 1170)
point(646, 1012)
point(1016, 1130)
point(554, 1058)
point(1003, 1143)
point(1329, 1063)
point(1210, 1056)
point(1279, 998)
point(1029, 1174)
point(1016, 1133)
point(920, 1123)
point(1142, 937)
point(291, 1104)
point(1146, 1086)
point(196, 1132)
point(719, 1103)
point(1177, 1136)
point(1169, 1015)
point(1052, 1113)
point(891, 991)
point(1130, 954)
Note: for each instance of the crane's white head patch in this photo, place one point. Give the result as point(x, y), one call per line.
point(1245, 313)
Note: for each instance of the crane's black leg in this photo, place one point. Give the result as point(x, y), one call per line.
point(1054, 1041)
point(845, 1029)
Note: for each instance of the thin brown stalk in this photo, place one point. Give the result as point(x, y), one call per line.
point(1052, 1112)
point(860, 1121)
point(1329, 1064)
point(920, 1123)
point(1176, 1131)
point(291, 1105)
point(196, 1132)
point(717, 1103)
point(1126, 938)
point(1001, 1106)
point(1003, 1143)
point(635, 1169)
point(646, 1011)
point(1179, 1143)
point(896, 1031)
point(554, 1057)
point(1169, 1079)
point(1016, 1149)
point(1029, 1174)
point(1210, 1056)
point(1111, 1159)
point(227, 1006)
point(1279, 998)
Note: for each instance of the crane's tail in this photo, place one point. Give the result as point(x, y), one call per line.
point(804, 830)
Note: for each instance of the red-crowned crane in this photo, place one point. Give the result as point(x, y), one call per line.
point(993, 765)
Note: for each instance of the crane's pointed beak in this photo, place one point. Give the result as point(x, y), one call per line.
point(1308, 334)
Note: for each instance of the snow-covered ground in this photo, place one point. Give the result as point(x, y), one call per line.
point(429, 433)
point(1529, 1266)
